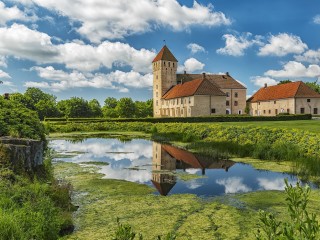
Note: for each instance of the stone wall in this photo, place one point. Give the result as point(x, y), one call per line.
point(21, 154)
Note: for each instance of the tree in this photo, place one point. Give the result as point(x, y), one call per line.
point(143, 109)
point(95, 108)
point(314, 85)
point(284, 81)
point(46, 108)
point(74, 107)
point(110, 102)
point(125, 108)
point(35, 95)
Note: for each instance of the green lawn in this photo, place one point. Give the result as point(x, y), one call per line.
point(308, 125)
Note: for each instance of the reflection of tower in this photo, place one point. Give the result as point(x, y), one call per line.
point(162, 161)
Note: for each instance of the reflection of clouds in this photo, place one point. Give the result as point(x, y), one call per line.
point(233, 185)
point(193, 171)
point(274, 184)
point(194, 183)
point(131, 154)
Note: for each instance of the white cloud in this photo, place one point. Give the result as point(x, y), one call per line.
point(115, 80)
point(260, 81)
point(274, 184)
point(12, 13)
point(4, 74)
point(191, 65)
point(294, 69)
point(283, 44)
point(8, 84)
point(310, 56)
point(107, 19)
point(316, 19)
point(22, 42)
point(233, 185)
point(194, 48)
point(235, 45)
point(3, 61)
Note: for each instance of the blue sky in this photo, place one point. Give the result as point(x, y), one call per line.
point(101, 48)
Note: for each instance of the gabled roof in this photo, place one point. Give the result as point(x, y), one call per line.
point(288, 90)
point(194, 87)
point(165, 54)
point(163, 188)
point(222, 81)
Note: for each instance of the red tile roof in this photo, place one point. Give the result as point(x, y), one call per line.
point(165, 54)
point(164, 187)
point(222, 81)
point(288, 90)
point(194, 87)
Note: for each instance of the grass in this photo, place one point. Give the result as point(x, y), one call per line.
point(102, 201)
point(307, 125)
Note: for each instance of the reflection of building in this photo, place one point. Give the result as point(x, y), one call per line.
point(169, 158)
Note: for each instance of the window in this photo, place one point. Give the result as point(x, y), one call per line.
point(157, 103)
point(181, 101)
point(172, 64)
point(213, 110)
point(157, 78)
point(275, 102)
point(157, 85)
point(276, 111)
point(164, 63)
point(240, 112)
point(227, 103)
point(181, 111)
point(227, 94)
point(169, 64)
point(264, 111)
point(288, 110)
point(301, 110)
point(177, 101)
point(315, 111)
point(308, 100)
point(156, 94)
point(236, 94)
point(259, 103)
point(227, 111)
point(189, 99)
point(236, 103)
point(269, 111)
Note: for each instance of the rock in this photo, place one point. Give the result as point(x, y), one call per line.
point(22, 154)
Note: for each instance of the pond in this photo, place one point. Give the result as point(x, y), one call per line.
point(168, 169)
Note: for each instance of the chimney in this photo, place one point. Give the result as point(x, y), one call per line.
point(184, 72)
point(227, 73)
point(265, 85)
point(203, 75)
point(6, 96)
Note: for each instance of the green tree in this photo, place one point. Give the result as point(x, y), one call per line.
point(75, 107)
point(143, 109)
point(95, 108)
point(47, 108)
point(110, 102)
point(125, 108)
point(35, 95)
point(314, 85)
point(284, 81)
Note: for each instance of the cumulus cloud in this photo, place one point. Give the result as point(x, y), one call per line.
point(294, 69)
point(233, 185)
point(310, 56)
point(274, 184)
point(260, 81)
point(4, 74)
point(191, 65)
point(61, 80)
point(316, 19)
point(236, 45)
point(194, 48)
point(22, 42)
point(12, 13)
point(107, 19)
point(283, 44)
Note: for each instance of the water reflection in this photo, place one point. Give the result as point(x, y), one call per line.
point(158, 165)
point(169, 158)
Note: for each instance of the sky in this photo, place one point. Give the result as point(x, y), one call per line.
point(103, 48)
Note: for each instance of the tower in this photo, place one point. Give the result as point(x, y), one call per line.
point(164, 67)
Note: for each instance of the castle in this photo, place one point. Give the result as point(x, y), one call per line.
point(191, 95)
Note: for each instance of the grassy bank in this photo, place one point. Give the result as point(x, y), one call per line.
point(102, 201)
point(33, 207)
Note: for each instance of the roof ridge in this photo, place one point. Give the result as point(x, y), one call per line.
point(300, 83)
point(202, 80)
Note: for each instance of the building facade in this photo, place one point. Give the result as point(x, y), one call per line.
point(190, 95)
point(292, 98)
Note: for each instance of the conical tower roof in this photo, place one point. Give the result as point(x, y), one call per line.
point(165, 54)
